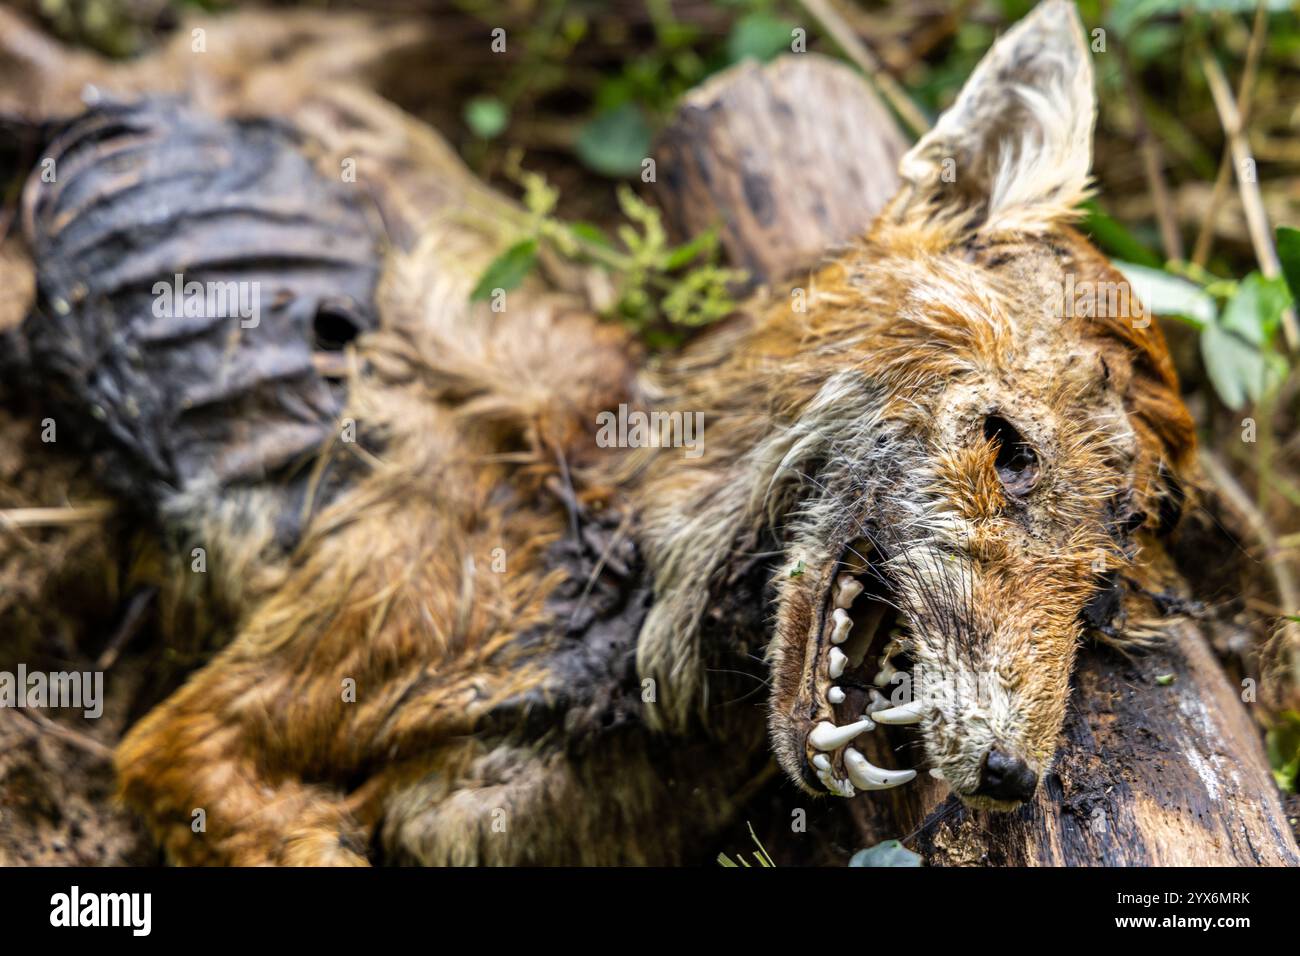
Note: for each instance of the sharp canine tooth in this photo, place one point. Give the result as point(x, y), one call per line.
point(821, 762)
point(826, 736)
point(902, 714)
point(936, 773)
point(835, 695)
point(847, 588)
point(840, 630)
point(838, 662)
point(867, 776)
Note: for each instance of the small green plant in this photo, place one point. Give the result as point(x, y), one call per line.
point(1283, 742)
point(663, 291)
point(761, 858)
point(1239, 323)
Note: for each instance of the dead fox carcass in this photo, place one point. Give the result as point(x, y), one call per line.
point(472, 633)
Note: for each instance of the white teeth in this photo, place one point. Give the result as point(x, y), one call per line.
point(936, 773)
point(826, 736)
point(821, 762)
point(878, 702)
point(838, 662)
point(835, 695)
point(841, 788)
point(866, 775)
point(841, 626)
point(902, 714)
point(887, 672)
point(847, 588)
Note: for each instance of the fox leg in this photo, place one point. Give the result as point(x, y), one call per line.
point(634, 799)
point(209, 799)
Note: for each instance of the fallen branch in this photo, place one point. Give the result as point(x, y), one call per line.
point(43, 725)
point(844, 37)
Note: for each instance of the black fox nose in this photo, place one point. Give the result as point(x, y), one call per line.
point(1004, 777)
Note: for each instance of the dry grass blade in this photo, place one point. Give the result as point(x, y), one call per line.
point(1261, 237)
point(95, 511)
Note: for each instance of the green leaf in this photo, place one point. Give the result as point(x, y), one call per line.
point(486, 116)
point(507, 270)
point(1154, 42)
point(1115, 238)
point(1256, 310)
point(1237, 368)
point(1164, 680)
point(1288, 250)
point(1237, 348)
point(615, 142)
point(1283, 743)
point(591, 233)
point(889, 853)
point(677, 257)
point(1166, 294)
point(1127, 15)
point(760, 36)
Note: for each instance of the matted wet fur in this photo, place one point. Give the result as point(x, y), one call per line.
point(503, 644)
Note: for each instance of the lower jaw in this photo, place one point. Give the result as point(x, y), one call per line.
point(846, 693)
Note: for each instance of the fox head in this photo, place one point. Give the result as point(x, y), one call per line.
point(960, 444)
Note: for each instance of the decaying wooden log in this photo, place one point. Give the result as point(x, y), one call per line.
point(788, 160)
point(1160, 762)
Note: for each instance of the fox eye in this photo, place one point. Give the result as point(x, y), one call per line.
point(1016, 462)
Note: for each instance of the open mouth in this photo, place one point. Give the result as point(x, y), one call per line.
point(860, 649)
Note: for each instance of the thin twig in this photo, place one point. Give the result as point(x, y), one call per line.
point(50, 517)
point(74, 737)
point(1239, 501)
point(1204, 238)
point(130, 626)
point(1152, 164)
point(1252, 201)
point(844, 37)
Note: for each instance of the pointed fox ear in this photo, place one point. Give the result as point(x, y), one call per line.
point(1013, 152)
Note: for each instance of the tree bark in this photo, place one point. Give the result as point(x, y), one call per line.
point(787, 160)
point(1151, 770)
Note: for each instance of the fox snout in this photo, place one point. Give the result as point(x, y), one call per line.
point(1004, 777)
point(990, 730)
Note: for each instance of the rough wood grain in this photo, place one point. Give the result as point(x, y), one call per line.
point(1149, 772)
point(788, 159)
